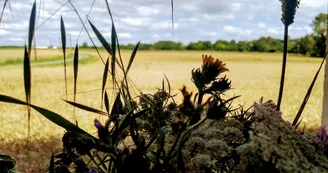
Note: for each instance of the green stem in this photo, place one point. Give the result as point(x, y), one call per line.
point(200, 97)
point(282, 80)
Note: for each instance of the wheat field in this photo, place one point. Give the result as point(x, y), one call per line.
point(253, 75)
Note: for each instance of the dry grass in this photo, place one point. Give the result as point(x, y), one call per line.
point(253, 75)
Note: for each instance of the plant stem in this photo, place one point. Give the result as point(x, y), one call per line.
point(200, 97)
point(282, 79)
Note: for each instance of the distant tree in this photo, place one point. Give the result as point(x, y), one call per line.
point(243, 46)
point(232, 46)
point(207, 45)
point(84, 45)
point(319, 25)
point(191, 46)
point(220, 45)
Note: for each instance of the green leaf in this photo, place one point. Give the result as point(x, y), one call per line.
point(101, 38)
point(76, 66)
point(133, 55)
point(126, 121)
point(54, 117)
point(104, 80)
point(106, 103)
point(140, 113)
point(134, 131)
point(62, 122)
point(27, 86)
point(63, 39)
point(161, 143)
point(113, 54)
point(31, 30)
point(117, 107)
point(52, 164)
point(86, 108)
point(308, 93)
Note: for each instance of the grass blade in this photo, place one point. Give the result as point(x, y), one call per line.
point(3, 9)
point(117, 106)
point(62, 122)
point(76, 66)
point(104, 80)
point(133, 55)
point(63, 39)
point(113, 54)
point(101, 38)
point(31, 29)
point(86, 108)
point(54, 117)
point(52, 164)
point(308, 93)
point(106, 102)
point(27, 86)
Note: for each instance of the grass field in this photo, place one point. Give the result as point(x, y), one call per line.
point(13, 56)
point(253, 75)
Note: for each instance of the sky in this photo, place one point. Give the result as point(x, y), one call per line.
point(149, 21)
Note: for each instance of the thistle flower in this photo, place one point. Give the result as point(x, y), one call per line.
point(288, 8)
point(209, 71)
point(210, 62)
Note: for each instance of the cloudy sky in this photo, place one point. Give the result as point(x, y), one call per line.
point(150, 20)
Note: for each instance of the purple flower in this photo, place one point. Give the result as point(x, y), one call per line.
point(98, 124)
point(323, 134)
point(92, 170)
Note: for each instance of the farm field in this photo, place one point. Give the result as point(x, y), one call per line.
point(253, 75)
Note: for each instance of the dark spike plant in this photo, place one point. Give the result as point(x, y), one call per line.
point(27, 66)
point(63, 39)
point(76, 70)
point(288, 8)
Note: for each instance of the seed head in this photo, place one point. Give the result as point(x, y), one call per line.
point(288, 8)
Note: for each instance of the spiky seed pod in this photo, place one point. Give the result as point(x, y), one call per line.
point(288, 8)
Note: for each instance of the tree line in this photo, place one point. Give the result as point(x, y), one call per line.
point(311, 44)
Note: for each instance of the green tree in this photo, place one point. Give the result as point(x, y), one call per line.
point(84, 45)
point(207, 45)
point(220, 45)
point(319, 25)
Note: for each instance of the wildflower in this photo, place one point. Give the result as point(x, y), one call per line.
point(103, 132)
point(92, 170)
point(323, 136)
point(209, 71)
point(98, 124)
point(210, 62)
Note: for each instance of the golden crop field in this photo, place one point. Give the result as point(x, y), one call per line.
point(253, 75)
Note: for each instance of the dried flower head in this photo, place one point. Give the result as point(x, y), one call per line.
point(288, 8)
point(210, 70)
point(214, 63)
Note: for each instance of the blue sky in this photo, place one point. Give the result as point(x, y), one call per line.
point(150, 20)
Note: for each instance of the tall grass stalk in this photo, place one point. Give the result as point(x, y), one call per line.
point(288, 8)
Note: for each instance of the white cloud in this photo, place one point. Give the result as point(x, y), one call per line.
point(147, 11)
point(4, 32)
point(273, 31)
point(261, 25)
point(16, 39)
point(313, 3)
point(150, 20)
point(124, 35)
point(136, 21)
